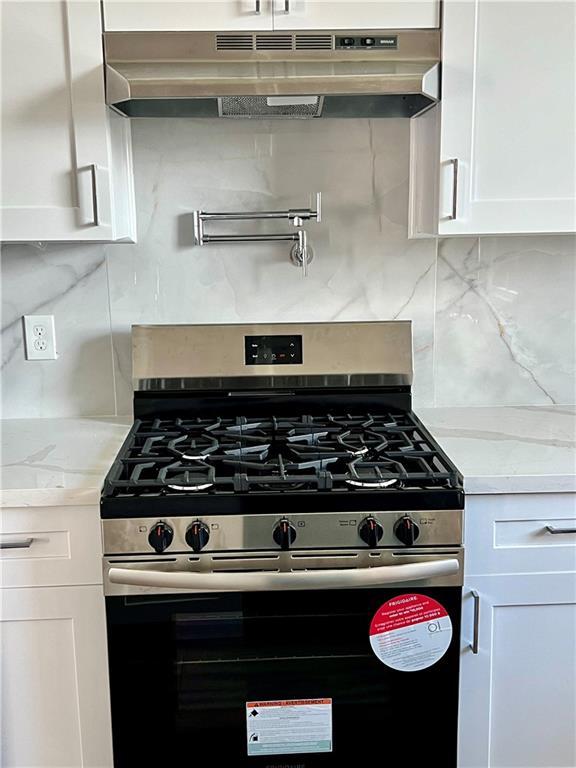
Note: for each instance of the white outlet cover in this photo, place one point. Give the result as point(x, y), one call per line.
point(40, 337)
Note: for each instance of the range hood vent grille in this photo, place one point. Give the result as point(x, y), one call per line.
point(260, 106)
point(313, 43)
point(234, 42)
point(274, 42)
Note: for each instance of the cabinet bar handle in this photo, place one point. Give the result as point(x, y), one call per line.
point(454, 213)
point(17, 544)
point(94, 174)
point(286, 6)
point(475, 644)
point(257, 10)
point(553, 529)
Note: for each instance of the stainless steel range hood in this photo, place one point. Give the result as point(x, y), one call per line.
point(387, 73)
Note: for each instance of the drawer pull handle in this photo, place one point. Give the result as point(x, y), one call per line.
point(16, 544)
point(556, 531)
point(475, 644)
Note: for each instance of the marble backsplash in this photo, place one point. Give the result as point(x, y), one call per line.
point(493, 317)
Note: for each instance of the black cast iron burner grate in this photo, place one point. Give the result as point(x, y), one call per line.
point(340, 453)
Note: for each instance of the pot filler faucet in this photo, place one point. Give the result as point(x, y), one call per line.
point(300, 254)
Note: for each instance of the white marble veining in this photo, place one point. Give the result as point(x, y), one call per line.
point(505, 331)
point(69, 282)
point(493, 317)
point(508, 450)
point(364, 266)
point(52, 462)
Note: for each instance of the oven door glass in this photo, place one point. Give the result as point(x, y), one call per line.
point(184, 668)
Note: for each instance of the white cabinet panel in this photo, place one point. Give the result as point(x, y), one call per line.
point(359, 14)
point(505, 157)
point(508, 117)
point(54, 682)
point(193, 15)
point(58, 180)
point(55, 546)
point(127, 15)
point(509, 533)
point(518, 693)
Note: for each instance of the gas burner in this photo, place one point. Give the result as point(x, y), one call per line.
point(374, 483)
point(193, 448)
point(371, 474)
point(177, 477)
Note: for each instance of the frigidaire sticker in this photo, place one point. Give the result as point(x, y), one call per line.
point(410, 632)
point(290, 726)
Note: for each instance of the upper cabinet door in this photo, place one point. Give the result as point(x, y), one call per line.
point(355, 14)
point(135, 15)
point(507, 156)
point(63, 151)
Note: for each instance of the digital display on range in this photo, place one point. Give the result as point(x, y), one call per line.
point(273, 350)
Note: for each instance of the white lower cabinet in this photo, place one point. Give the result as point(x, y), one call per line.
point(518, 691)
point(54, 679)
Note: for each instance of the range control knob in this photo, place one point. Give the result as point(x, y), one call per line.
point(370, 531)
point(406, 530)
point(160, 536)
point(197, 535)
point(284, 534)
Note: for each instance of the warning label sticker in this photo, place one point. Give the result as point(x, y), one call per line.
point(289, 727)
point(410, 632)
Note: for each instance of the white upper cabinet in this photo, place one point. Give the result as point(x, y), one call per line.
point(360, 14)
point(134, 15)
point(65, 156)
point(504, 148)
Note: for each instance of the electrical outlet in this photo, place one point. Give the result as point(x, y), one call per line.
point(40, 337)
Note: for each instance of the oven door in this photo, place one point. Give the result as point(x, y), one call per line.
point(291, 678)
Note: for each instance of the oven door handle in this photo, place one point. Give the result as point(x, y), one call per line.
point(265, 581)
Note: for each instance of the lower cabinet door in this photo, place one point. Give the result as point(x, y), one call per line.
point(54, 679)
point(518, 690)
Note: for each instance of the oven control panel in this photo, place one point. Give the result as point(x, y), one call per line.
point(299, 531)
point(273, 350)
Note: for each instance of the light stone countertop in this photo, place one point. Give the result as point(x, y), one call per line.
point(523, 449)
point(53, 462)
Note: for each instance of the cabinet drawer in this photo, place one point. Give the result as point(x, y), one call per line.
point(520, 533)
point(50, 546)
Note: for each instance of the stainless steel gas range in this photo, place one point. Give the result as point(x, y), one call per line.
point(283, 552)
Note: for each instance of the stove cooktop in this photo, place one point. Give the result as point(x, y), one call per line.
point(335, 453)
